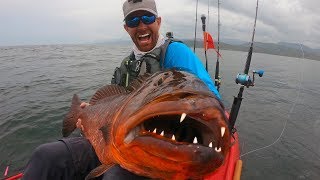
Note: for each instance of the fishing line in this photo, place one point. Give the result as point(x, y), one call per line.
point(217, 78)
point(291, 110)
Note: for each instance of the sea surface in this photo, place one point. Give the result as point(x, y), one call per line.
point(278, 123)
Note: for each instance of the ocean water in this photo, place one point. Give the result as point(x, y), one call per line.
point(278, 123)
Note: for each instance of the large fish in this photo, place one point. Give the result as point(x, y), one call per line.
point(168, 125)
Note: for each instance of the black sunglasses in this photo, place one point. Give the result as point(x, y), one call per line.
point(146, 19)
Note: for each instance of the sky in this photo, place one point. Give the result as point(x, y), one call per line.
point(30, 22)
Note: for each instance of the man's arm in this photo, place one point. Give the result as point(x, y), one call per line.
point(180, 56)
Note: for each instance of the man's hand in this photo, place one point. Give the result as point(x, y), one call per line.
point(79, 125)
point(84, 104)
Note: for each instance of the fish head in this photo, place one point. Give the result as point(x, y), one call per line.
point(171, 126)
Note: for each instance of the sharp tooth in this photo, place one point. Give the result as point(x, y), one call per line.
point(183, 115)
point(155, 130)
point(223, 130)
point(218, 150)
point(173, 138)
point(162, 133)
point(210, 145)
point(195, 140)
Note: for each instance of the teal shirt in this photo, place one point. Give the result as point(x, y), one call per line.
point(179, 56)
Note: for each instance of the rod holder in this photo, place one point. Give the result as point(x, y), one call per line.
point(203, 19)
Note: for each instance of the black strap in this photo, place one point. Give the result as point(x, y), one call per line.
point(164, 48)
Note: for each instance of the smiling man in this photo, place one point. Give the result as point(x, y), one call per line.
point(145, 35)
point(74, 158)
point(151, 51)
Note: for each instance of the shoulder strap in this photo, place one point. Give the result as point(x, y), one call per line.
point(164, 48)
point(120, 73)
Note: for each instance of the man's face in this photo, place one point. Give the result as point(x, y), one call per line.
point(144, 36)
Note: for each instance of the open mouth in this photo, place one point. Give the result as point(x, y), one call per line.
point(179, 130)
point(144, 37)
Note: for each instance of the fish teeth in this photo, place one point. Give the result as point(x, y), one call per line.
point(217, 149)
point(173, 138)
point(183, 116)
point(195, 140)
point(162, 133)
point(223, 130)
point(155, 130)
point(210, 145)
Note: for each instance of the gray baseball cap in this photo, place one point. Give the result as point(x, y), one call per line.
point(130, 6)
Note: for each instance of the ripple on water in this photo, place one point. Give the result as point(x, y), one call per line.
point(38, 82)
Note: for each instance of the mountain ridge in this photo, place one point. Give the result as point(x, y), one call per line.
point(280, 49)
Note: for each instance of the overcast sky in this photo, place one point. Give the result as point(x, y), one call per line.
point(24, 22)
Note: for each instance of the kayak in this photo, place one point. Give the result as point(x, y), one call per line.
point(232, 166)
point(231, 169)
point(14, 177)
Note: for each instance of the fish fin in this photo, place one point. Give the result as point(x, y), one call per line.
point(107, 91)
point(98, 171)
point(69, 122)
point(105, 132)
point(136, 83)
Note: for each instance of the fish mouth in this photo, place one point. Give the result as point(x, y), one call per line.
point(182, 130)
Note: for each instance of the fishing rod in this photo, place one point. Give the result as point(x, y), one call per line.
point(209, 44)
point(208, 14)
point(203, 19)
point(217, 78)
point(195, 28)
point(244, 79)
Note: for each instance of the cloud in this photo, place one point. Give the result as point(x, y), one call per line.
point(72, 21)
point(81, 21)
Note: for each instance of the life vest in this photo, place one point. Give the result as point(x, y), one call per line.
point(131, 68)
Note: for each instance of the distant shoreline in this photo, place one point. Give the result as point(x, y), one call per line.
point(280, 49)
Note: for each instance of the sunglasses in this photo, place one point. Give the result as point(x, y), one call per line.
point(134, 21)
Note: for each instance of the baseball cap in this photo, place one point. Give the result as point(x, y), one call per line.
point(130, 6)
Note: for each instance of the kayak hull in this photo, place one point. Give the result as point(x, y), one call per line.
point(227, 170)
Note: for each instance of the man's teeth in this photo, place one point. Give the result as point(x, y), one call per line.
point(183, 116)
point(144, 35)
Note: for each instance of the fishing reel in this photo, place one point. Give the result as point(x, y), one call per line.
point(245, 79)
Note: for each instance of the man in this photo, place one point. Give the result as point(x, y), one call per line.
point(151, 52)
point(74, 158)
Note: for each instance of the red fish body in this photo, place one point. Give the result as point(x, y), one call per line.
point(166, 126)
